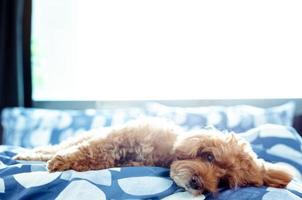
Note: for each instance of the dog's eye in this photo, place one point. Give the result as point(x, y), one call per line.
point(208, 156)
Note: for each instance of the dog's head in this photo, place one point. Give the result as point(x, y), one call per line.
point(204, 160)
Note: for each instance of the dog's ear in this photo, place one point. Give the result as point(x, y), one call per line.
point(247, 173)
point(242, 168)
point(276, 176)
point(251, 173)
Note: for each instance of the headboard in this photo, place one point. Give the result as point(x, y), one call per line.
point(298, 123)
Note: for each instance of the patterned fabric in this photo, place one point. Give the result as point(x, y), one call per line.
point(30, 180)
point(35, 127)
point(277, 144)
point(233, 118)
point(29, 127)
point(293, 192)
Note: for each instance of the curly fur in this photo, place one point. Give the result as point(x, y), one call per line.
point(199, 160)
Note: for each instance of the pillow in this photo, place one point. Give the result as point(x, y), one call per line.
point(277, 144)
point(30, 127)
point(233, 118)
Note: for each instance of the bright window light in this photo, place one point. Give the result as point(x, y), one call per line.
point(166, 49)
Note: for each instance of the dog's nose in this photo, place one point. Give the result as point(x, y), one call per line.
point(195, 183)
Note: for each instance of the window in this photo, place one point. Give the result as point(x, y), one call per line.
point(166, 49)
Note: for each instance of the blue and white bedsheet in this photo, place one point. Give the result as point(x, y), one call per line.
point(30, 180)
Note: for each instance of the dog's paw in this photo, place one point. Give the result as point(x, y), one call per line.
point(17, 157)
point(57, 163)
point(25, 156)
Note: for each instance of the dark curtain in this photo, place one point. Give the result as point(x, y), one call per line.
point(15, 74)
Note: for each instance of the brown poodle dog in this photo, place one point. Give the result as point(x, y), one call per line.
point(199, 160)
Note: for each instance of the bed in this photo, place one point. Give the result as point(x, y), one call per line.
point(268, 131)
